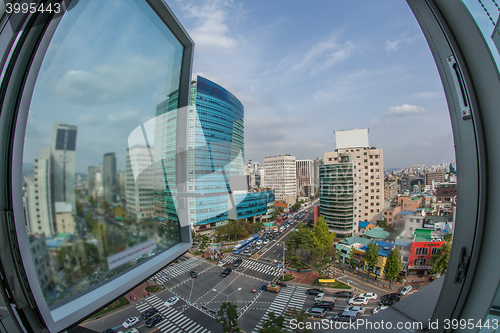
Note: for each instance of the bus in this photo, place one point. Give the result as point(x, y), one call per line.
point(240, 247)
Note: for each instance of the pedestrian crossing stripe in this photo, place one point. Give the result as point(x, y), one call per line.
point(254, 265)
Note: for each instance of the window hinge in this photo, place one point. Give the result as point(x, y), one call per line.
point(463, 266)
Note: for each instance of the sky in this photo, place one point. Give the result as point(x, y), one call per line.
point(301, 69)
point(305, 69)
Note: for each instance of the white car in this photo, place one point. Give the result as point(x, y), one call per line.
point(379, 308)
point(405, 290)
point(368, 295)
point(358, 309)
point(358, 301)
point(130, 322)
point(266, 241)
point(259, 242)
point(319, 297)
point(171, 301)
point(220, 264)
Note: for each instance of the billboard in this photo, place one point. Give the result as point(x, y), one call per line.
point(356, 138)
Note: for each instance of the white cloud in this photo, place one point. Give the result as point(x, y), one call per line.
point(393, 46)
point(323, 56)
point(211, 31)
point(429, 94)
point(404, 110)
point(88, 118)
point(124, 116)
point(107, 82)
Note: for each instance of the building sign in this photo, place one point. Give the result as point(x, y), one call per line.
point(123, 257)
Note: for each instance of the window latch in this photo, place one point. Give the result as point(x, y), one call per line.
point(458, 80)
point(463, 266)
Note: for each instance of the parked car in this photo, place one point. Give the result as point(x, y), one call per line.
point(358, 301)
point(405, 290)
point(193, 274)
point(380, 308)
point(171, 301)
point(358, 309)
point(313, 291)
point(389, 302)
point(347, 294)
point(368, 295)
point(130, 322)
point(148, 313)
point(153, 320)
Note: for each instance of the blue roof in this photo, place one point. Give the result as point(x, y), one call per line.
point(363, 224)
point(419, 209)
point(384, 248)
point(405, 212)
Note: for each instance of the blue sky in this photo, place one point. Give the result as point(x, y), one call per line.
point(304, 69)
point(301, 69)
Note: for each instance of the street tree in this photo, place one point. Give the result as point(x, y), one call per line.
point(228, 317)
point(439, 261)
point(352, 255)
point(392, 265)
point(298, 315)
point(273, 324)
point(371, 256)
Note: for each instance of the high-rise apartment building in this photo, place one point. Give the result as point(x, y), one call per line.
point(63, 163)
point(305, 177)
point(352, 183)
point(281, 175)
point(109, 177)
point(39, 205)
point(139, 199)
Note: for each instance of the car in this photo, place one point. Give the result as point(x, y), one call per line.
point(392, 296)
point(171, 301)
point(266, 241)
point(148, 313)
point(358, 309)
point(153, 320)
point(368, 295)
point(380, 308)
point(319, 297)
point(358, 301)
point(347, 294)
point(245, 250)
point(130, 322)
point(226, 272)
point(327, 305)
point(389, 302)
point(316, 312)
point(193, 274)
point(346, 316)
point(405, 290)
point(237, 262)
point(220, 264)
point(250, 253)
point(258, 247)
point(259, 242)
point(314, 291)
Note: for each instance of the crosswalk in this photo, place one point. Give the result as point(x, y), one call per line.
point(175, 270)
point(254, 265)
point(291, 296)
point(173, 320)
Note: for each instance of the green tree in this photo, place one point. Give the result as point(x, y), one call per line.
point(371, 256)
point(352, 255)
point(273, 324)
point(392, 265)
point(79, 208)
point(382, 224)
point(228, 317)
point(298, 314)
point(89, 219)
point(439, 261)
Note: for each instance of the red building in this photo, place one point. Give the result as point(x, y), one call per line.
point(422, 250)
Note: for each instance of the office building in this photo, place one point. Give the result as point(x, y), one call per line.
point(109, 177)
point(63, 163)
point(317, 163)
point(281, 175)
point(351, 183)
point(305, 177)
